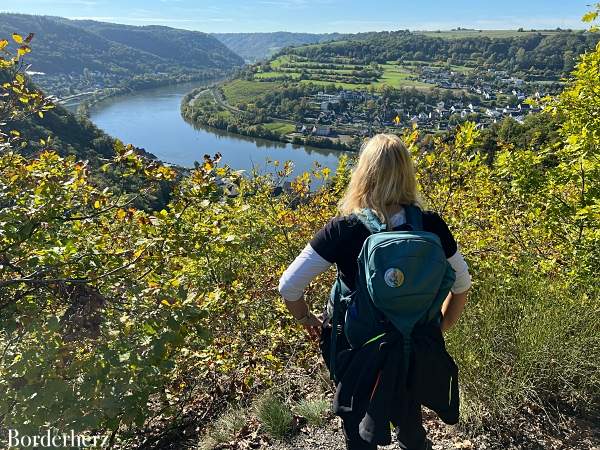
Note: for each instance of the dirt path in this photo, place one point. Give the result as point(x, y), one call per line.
point(331, 438)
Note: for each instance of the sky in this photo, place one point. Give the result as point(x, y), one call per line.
point(319, 16)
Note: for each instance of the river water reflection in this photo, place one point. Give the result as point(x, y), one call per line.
point(151, 120)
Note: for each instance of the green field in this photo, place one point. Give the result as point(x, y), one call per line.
point(397, 76)
point(394, 74)
point(272, 74)
point(243, 91)
point(276, 63)
point(413, 64)
point(280, 127)
point(461, 69)
point(349, 86)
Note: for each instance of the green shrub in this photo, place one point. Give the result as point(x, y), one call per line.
point(526, 340)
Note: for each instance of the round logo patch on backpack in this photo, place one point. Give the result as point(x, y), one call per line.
point(394, 277)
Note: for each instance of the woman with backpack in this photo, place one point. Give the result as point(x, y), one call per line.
point(383, 187)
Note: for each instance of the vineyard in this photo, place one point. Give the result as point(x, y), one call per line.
point(149, 325)
point(341, 72)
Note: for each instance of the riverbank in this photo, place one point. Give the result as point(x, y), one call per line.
point(208, 107)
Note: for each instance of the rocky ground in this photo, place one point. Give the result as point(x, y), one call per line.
point(572, 435)
point(529, 430)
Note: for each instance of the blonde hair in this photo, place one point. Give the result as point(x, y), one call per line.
point(383, 179)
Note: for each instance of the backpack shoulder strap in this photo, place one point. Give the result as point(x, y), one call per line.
point(414, 217)
point(371, 221)
point(338, 292)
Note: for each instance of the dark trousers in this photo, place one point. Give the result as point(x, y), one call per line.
point(410, 433)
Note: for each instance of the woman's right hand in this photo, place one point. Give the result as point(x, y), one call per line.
point(312, 324)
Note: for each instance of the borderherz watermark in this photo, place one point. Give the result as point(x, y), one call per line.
point(50, 439)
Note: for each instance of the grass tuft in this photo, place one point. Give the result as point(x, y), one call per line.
point(274, 415)
point(225, 429)
point(314, 411)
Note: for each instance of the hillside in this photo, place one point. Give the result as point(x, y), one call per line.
point(83, 55)
point(73, 135)
point(258, 46)
point(163, 329)
point(76, 136)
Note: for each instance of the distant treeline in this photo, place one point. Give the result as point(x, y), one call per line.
point(542, 54)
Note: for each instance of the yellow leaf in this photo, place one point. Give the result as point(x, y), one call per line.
point(590, 17)
point(121, 213)
point(3, 44)
point(17, 38)
point(97, 204)
point(23, 50)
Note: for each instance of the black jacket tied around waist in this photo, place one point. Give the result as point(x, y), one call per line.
point(374, 384)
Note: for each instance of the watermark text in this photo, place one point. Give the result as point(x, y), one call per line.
point(51, 439)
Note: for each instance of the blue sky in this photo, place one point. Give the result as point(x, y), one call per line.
point(319, 15)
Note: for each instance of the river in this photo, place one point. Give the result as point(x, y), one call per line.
point(151, 119)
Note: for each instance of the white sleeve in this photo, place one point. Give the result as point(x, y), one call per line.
point(463, 277)
point(301, 272)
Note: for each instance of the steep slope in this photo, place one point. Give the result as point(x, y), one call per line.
point(177, 46)
point(257, 46)
point(74, 135)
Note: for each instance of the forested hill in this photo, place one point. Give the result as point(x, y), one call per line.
point(97, 55)
point(256, 46)
point(181, 47)
point(545, 53)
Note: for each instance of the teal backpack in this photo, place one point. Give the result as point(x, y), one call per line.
point(403, 279)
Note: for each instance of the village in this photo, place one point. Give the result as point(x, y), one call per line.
point(488, 98)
